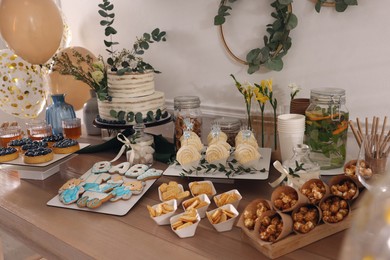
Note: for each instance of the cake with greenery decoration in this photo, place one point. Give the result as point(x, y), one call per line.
point(131, 95)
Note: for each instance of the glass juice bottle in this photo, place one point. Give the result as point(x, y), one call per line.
point(327, 127)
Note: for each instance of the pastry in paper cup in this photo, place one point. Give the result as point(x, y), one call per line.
point(273, 226)
point(221, 137)
point(217, 154)
point(286, 198)
point(305, 218)
point(344, 186)
point(253, 211)
point(195, 142)
point(315, 190)
point(200, 203)
point(221, 142)
point(245, 136)
point(246, 155)
point(188, 157)
point(334, 209)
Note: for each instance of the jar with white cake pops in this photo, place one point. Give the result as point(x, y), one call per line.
point(142, 147)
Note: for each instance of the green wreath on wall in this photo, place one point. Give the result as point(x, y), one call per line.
point(339, 5)
point(276, 43)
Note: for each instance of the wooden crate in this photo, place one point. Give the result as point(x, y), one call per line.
point(293, 241)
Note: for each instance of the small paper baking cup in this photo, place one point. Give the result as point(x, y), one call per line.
point(164, 218)
point(309, 206)
point(287, 190)
point(315, 199)
point(340, 179)
point(286, 229)
point(225, 225)
point(234, 203)
point(201, 210)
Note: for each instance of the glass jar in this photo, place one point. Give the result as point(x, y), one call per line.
point(327, 127)
point(142, 146)
point(300, 167)
point(230, 126)
point(186, 107)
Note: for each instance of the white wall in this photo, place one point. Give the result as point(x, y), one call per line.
point(349, 50)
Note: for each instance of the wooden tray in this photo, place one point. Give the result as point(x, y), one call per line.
point(293, 241)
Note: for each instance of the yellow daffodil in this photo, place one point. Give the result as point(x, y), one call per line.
point(260, 96)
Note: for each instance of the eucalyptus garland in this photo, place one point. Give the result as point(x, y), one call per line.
point(276, 43)
point(339, 5)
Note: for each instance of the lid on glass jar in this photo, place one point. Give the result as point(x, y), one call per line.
point(228, 123)
point(186, 102)
point(328, 95)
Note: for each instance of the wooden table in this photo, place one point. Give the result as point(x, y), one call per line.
point(71, 234)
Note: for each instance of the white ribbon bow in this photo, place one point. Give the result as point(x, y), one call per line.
point(126, 145)
point(278, 166)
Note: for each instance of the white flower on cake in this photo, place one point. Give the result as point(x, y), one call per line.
point(246, 153)
point(217, 153)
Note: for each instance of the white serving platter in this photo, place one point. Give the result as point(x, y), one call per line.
point(117, 208)
point(39, 171)
point(19, 161)
point(261, 173)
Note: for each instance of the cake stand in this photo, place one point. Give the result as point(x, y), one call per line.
point(126, 130)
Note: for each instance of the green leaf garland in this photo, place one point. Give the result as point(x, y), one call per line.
point(277, 42)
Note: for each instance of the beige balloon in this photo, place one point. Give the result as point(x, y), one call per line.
point(33, 29)
point(76, 92)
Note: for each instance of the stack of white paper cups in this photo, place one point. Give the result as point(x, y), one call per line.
point(291, 129)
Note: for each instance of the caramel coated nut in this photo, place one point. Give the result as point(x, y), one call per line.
point(286, 201)
point(270, 227)
point(251, 216)
point(305, 219)
point(315, 192)
point(334, 209)
point(346, 189)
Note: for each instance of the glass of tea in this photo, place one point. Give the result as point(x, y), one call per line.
point(38, 132)
point(72, 128)
point(9, 133)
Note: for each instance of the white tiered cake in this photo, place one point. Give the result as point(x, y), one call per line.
point(133, 95)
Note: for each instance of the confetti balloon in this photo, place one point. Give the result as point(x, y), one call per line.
point(24, 87)
point(32, 29)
